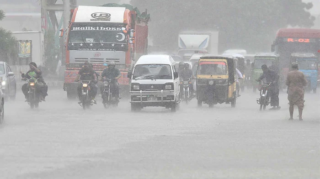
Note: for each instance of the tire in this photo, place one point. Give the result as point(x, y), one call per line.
point(199, 103)
point(264, 107)
point(174, 107)
point(234, 102)
point(84, 105)
point(261, 107)
point(254, 89)
point(36, 104)
point(315, 90)
point(135, 107)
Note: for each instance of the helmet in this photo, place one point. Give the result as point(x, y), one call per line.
point(186, 65)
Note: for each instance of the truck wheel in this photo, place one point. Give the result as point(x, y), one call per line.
point(135, 107)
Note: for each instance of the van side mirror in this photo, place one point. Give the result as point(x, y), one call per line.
point(10, 73)
point(129, 74)
point(175, 75)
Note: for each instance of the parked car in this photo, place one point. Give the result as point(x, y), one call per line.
point(8, 83)
point(1, 105)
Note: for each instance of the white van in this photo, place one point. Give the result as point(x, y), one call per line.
point(154, 82)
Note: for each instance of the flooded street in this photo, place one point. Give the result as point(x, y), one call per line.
point(61, 140)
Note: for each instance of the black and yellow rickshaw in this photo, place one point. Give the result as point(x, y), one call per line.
point(216, 80)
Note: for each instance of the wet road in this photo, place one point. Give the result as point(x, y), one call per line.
point(60, 140)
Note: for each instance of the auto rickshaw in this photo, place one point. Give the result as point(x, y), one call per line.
point(216, 80)
point(259, 60)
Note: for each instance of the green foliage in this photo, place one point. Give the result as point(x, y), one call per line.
point(1, 15)
point(51, 51)
point(8, 44)
point(249, 24)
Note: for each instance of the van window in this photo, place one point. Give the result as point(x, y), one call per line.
point(152, 71)
point(2, 70)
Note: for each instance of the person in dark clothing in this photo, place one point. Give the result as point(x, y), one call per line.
point(271, 78)
point(35, 74)
point(186, 75)
point(86, 73)
point(113, 74)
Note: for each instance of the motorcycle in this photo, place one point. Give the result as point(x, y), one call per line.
point(86, 102)
point(33, 96)
point(107, 94)
point(263, 101)
point(185, 85)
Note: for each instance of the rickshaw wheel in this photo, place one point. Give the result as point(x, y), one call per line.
point(234, 101)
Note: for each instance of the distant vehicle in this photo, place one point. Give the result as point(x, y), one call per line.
point(259, 60)
point(8, 84)
point(197, 43)
point(154, 82)
point(216, 82)
point(308, 65)
point(100, 35)
point(289, 41)
point(235, 51)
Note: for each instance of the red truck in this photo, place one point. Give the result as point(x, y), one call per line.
point(290, 41)
point(99, 35)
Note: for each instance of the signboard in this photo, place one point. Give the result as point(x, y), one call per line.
point(24, 48)
point(299, 40)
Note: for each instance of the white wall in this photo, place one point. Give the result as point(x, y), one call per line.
point(37, 44)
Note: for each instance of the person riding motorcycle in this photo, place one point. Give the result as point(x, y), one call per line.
point(271, 78)
point(186, 75)
point(113, 74)
point(88, 74)
point(36, 74)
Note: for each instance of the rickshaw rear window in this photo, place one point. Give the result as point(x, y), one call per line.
point(213, 68)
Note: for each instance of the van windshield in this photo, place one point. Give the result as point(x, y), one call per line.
point(213, 68)
point(152, 71)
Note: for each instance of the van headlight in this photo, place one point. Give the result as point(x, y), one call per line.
point(168, 87)
point(135, 87)
point(3, 83)
point(211, 82)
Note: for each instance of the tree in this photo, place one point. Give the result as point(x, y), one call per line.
point(248, 24)
point(8, 44)
point(51, 51)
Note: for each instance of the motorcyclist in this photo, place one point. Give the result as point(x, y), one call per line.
point(271, 78)
point(36, 74)
point(88, 74)
point(186, 75)
point(112, 73)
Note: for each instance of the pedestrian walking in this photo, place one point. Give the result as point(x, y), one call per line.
point(296, 82)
